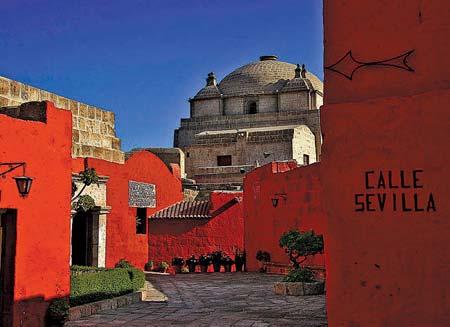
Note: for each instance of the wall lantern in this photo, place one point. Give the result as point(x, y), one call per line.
point(277, 197)
point(23, 182)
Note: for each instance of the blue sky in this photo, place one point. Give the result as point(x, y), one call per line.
point(144, 59)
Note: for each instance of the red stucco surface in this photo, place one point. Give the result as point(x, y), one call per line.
point(301, 209)
point(43, 217)
point(387, 245)
point(122, 240)
point(185, 237)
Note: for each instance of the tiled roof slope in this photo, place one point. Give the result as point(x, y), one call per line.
point(185, 209)
point(193, 210)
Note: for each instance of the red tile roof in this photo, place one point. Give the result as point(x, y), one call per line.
point(185, 209)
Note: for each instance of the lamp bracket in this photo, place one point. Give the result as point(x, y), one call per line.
point(12, 166)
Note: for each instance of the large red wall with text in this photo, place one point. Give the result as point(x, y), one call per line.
point(41, 263)
point(387, 265)
point(185, 237)
point(300, 210)
point(143, 166)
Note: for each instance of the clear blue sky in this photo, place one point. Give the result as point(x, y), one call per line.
point(144, 59)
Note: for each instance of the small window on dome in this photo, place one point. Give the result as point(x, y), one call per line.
point(252, 108)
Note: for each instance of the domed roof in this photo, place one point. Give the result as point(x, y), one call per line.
point(265, 76)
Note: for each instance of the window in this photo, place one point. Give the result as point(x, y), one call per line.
point(187, 154)
point(252, 108)
point(306, 159)
point(141, 221)
point(223, 160)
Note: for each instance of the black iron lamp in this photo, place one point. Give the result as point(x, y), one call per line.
point(275, 202)
point(23, 185)
point(23, 182)
point(277, 197)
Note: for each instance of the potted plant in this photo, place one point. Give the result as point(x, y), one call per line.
point(239, 259)
point(216, 258)
point(300, 280)
point(204, 261)
point(149, 266)
point(163, 266)
point(192, 262)
point(262, 257)
point(227, 262)
point(177, 262)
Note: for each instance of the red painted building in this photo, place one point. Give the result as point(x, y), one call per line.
point(35, 230)
point(385, 162)
point(279, 197)
point(123, 239)
point(198, 227)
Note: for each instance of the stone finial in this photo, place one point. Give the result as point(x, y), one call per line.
point(303, 71)
point(297, 71)
point(211, 79)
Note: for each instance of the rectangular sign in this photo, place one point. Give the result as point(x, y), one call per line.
point(141, 195)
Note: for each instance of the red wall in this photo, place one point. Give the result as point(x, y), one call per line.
point(122, 240)
point(42, 263)
point(302, 209)
point(184, 237)
point(387, 267)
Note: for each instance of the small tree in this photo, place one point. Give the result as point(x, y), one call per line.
point(300, 245)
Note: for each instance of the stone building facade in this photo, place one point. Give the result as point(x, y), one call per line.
point(262, 112)
point(93, 132)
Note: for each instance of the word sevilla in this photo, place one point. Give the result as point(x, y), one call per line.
point(396, 200)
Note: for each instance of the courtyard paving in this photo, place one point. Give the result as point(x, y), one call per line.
point(225, 299)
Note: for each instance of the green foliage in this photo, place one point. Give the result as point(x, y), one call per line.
point(163, 266)
point(263, 256)
point(303, 275)
point(137, 278)
point(301, 244)
point(177, 261)
point(78, 270)
point(192, 260)
point(226, 260)
point(89, 176)
point(123, 264)
point(90, 287)
point(216, 257)
point(85, 203)
point(58, 312)
point(205, 260)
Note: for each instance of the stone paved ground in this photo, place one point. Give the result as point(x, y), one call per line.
point(226, 299)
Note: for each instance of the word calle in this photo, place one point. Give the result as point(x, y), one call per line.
point(395, 191)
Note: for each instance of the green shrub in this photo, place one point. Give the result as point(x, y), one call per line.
point(300, 245)
point(91, 287)
point(78, 270)
point(137, 278)
point(123, 264)
point(303, 275)
point(58, 312)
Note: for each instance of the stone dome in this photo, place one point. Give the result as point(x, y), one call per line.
point(263, 77)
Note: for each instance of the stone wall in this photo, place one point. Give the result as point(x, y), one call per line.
point(290, 101)
point(207, 107)
point(248, 149)
point(94, 132)
point(303, 143)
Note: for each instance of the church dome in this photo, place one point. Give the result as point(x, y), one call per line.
point(266, 76)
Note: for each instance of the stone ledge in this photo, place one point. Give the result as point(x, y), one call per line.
point(89, 309)
point(299, 289)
